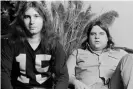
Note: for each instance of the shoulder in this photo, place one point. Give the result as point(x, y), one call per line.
point(53, 41)
point(118, 54)
point(127, 59)
point(80, 51)
point(7, 41)
point(10, 44)
point(57, 48)
point(7, 47)
point(58, 45)
point(118, 51)
point(130, 56)
point(75, 52)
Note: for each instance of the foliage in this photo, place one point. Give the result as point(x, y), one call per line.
point(107, 18)
point(69, 23)
point(7, 11)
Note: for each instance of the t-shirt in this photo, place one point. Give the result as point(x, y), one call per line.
point(27, 67)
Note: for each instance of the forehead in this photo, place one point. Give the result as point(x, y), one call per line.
point(31, 11)
point(97, 29)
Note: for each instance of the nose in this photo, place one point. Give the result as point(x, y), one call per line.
point(32, 20)
point(97, 36)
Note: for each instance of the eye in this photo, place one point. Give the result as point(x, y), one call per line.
point(36, 15)
point(92, 33)
point(26, 16)
point(102, 33)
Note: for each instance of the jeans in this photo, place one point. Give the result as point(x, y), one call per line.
point(123, 76)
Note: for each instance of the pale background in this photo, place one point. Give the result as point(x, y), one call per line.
point(122, 28)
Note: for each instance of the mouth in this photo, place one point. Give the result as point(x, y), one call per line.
point(97, 42)
point(32, 28)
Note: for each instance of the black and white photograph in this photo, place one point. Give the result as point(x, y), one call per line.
point(66, 44)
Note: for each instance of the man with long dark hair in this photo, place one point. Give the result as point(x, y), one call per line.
point(92, 65)
point(32, 58)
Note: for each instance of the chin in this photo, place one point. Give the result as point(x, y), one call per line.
point(32, 33)
point(98, 48)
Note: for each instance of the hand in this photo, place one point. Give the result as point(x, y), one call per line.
point(80, 85)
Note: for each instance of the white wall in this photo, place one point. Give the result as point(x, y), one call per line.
point(122, 28)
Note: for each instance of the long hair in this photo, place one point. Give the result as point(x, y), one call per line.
point(20, 32)
point(110, 43)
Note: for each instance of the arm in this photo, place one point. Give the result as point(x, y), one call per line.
point(71, 64)
point(60, 68)
point(6, 65)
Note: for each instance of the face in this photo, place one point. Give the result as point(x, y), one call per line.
point(33, 21)
point(98, 38)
